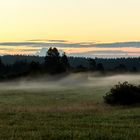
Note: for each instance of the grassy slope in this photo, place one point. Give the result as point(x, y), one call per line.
point(65, 114)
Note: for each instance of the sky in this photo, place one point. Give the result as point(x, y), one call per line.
point(102, 28)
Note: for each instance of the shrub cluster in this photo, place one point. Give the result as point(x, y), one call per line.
point(123, 94)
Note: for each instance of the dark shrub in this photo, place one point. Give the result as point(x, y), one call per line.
point(123, 94)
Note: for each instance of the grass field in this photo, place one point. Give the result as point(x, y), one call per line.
point(66, 113)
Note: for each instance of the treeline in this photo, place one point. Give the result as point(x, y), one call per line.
point(55, 63)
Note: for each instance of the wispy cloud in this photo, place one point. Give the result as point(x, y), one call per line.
point(64, 43)
point(89, 49)
point(119, 44)
point(45, 40)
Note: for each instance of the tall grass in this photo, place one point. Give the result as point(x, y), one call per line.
point(70, 114)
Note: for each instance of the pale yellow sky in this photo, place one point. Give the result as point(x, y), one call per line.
point(99, 21)
point(82, 20)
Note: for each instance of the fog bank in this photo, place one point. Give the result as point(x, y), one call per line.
point(70, 81)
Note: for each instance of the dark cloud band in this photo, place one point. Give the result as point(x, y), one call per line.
point(65, 44)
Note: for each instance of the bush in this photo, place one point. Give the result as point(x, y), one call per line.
point(123, 94)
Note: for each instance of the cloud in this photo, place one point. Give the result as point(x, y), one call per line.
point(108, 52)
point(40, 40)
point(105, 53)
point(119, 44)
point(44, 44)
point(19, 44)
point(87, 49)
point(58, 40)
point(66, 44)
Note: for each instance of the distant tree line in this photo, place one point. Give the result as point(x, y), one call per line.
point(56, 63)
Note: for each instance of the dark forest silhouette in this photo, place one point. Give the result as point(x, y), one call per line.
point(54, 63)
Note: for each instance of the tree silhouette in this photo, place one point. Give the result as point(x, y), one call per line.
point(121, 68)
point(19, 65)
point(123, 94)
point(65, 62)
point(2, 67)
point(100, 67)
point(34, 67)
point(134, 69)
point(92, 64)
point(53, 61)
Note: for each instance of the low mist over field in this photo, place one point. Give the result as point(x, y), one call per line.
point(69, 81)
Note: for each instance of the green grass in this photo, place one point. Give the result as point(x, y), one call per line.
point(68, 114)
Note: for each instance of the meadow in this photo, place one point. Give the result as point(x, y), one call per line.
point(70, 108)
